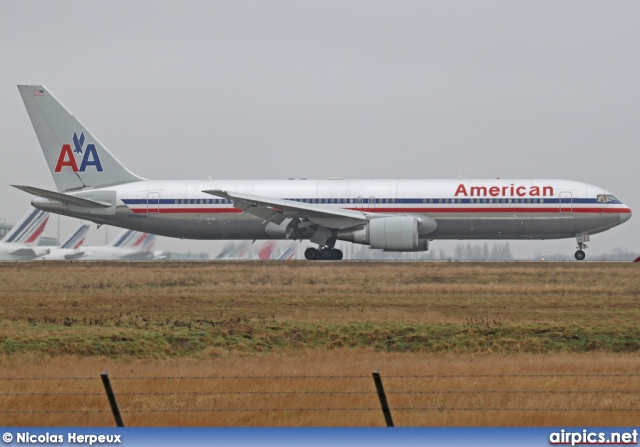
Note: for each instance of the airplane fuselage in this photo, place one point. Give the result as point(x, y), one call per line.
point(463, 209)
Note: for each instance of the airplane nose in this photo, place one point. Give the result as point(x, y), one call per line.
point(625, 216)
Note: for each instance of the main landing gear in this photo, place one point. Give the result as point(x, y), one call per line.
point(323, 254)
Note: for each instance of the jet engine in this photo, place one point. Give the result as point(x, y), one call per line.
point(397, 233)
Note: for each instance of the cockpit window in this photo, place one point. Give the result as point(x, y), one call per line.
point(603, 198)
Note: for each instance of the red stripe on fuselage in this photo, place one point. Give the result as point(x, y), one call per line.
point(188, 210)
point(410, 210)
point(494, 210)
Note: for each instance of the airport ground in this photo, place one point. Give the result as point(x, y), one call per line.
point(456, 343)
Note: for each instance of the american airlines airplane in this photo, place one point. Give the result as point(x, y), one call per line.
point(20, 243)
point(393, 215)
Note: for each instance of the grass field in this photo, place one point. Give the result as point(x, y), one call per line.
point(498, 325)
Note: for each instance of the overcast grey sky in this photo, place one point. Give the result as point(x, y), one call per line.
point(358, 89)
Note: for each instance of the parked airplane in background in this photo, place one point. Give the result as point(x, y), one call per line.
point(70, 245)
point(128, 245)
point(288, 253)
point(393, 215)
point(20, 244)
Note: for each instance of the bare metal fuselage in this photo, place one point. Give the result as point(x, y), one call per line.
point(479, 209)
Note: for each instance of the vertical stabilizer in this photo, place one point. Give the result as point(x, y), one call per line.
point(76, 239)
point(29, 228)
point(75, 157)
point(147, 243)
point(126, 239)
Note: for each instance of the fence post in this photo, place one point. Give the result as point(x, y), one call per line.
point(112, 399)
point(383, 399)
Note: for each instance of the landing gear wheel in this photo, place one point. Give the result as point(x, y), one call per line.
point(337, 255)
point(311, 254)
point(580, 255)
point(326, 254)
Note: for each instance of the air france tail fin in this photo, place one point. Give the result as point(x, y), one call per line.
point(128, 239)
point(144, 241)
point(75, 157)
point(76, 239)
point(29, 228)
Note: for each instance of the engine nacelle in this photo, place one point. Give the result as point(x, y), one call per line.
point(423, 245)
point(397, 233)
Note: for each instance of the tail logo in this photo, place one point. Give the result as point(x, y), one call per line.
point(89, 157)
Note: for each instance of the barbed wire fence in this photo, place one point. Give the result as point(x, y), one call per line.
point(343, 396)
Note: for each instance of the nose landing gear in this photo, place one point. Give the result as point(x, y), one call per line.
point(581, 239)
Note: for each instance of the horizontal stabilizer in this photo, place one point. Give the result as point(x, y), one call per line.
point(24, 252)
point(137, 256)
point(74, 256)
point(64, 198)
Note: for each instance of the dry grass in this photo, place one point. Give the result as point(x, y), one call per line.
point(566, 293)
point(66, 320)
point(334, 401)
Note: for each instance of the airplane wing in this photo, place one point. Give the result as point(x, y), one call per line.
point(278, 210)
